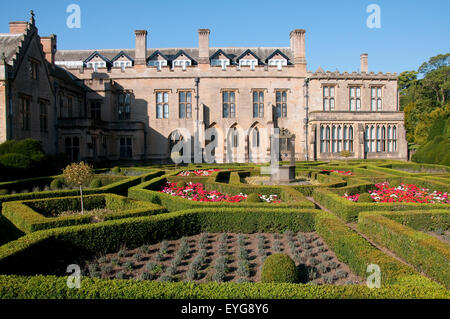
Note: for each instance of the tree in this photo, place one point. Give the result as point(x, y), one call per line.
point(419, 98)
point(79, 175)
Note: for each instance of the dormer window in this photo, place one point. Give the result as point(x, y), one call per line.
point(122, 64)
point(122, 60)
point(248, 58)
point(96, 65)
point(181, 59)
point(158, 60)
point(181, 63)
point(96, 61)
point(278, 59)
point(157, 63)
point(221, 59)
point(279, 63)
point(248, 62)
point(220, 62)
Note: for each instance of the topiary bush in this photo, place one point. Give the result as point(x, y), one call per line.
point(95, 183)
point(253, 198)
point(57, 184)
point(365, 198)
point(279, 268)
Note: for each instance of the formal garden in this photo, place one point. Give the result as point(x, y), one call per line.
point(223, 231)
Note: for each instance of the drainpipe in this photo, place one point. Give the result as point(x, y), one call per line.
point(306, 120)
point(10, 106)
point(55, 116)
point(197, 146)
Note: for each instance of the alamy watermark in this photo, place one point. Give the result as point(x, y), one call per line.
point(374, 19)
point(74, 19)
point(374, 279)
point(74, 280)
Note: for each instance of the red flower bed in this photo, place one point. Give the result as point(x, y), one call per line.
point(196, 192)
point(346, 173)
point(200, 172)
point(406, 193)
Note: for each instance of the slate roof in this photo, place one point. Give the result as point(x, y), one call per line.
point(232, 52)
point(9, 44)
point(121, 53)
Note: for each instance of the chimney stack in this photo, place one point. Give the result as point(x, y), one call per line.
point(203, 46)
point(49, 48)
point(18, 27)
point(298, 46)
point(141, 47)
point(364, 63)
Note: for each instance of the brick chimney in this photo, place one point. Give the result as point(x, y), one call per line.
point(298, 46)
point(49, 47)
point(203, 46)
point(364, 63)
point(141, 47)
point(18, 27)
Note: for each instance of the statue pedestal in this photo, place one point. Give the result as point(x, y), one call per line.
point(283, 174)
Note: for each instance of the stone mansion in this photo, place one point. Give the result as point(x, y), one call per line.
point(133, 104)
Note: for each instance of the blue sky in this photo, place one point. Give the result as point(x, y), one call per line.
point(411, 31)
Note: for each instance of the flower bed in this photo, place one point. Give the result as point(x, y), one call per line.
point(346, 173)
point(197, 192)
point(200, 172)
point(407, 193)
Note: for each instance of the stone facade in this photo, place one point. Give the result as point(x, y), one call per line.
point(135, 104)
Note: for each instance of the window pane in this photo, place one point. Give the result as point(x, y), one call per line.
point(255, 96)
point(159, 97)
point(231, 96)
point(325, 91)
point(332, 91)
point(225, 96)
point(278, 96)
point(261, 97)
point(182, 97)
point(358, 92)
point(166, 97)
point(189, 97)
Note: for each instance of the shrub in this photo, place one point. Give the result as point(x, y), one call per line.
point(253, 198)
point(365, 198)
point(16, 161)
point(95, 183)
point(279, 268)
point(115, 170)
point(57, 183)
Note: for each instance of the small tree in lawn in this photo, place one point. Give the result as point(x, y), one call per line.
point(346, 154)
point(78, 174)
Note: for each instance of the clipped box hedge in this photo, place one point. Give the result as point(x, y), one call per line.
point(33, 215)
point(150, 191)
point(398, 280)
point(358, 253)
point(120, 188)
point(423, 251)
point(52, 287)
point(349, 211)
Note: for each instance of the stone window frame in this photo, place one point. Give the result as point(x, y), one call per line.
point(380, 138)
point(356, 98)
point(34, 65)
point(162, 105)
point(186, 105)
point(125, 148)
point(378, 98)
point(282, 106)
point(259, 105)
point(336, 137)
point(329, 98)
point(124, 107)
point(229, 104)
point(95, 106)
point(25, 111)
point(43, 115)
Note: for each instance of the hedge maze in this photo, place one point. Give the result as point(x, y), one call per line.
point(159, 232)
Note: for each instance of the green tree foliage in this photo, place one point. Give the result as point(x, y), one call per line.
point(78, 174)
point(425, 100)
